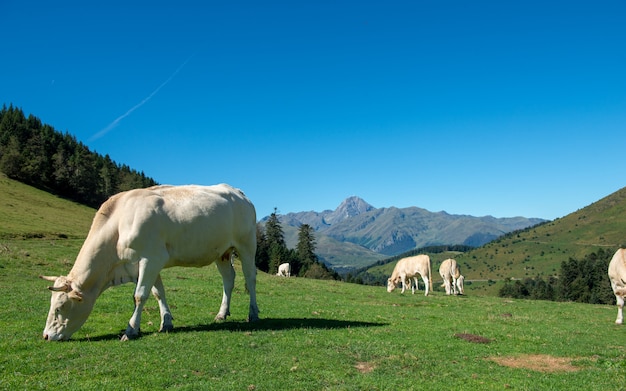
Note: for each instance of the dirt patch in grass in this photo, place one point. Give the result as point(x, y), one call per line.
point(537, 362)
point(365, 367)
point(473, 338)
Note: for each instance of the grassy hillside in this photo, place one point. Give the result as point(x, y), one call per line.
point(29, 212)
point(540, 250)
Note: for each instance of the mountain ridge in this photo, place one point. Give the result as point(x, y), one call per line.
point(390, 231)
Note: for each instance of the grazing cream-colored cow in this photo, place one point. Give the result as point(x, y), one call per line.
point(284, 270)
point(408, 268)
point(137, 233)
point(617, 275)
point(452, 278)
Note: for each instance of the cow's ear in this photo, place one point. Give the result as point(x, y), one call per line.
point(75, 295)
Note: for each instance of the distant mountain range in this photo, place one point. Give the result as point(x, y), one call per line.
point(357, 234)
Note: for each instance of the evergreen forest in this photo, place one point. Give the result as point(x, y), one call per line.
point(581, 280)
point(40, 156)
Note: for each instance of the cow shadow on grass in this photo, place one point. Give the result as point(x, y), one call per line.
point(265, 324)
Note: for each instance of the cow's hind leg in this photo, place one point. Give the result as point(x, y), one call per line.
point(225, 267)
point(166, 316)
point(425, 279)
point(414, 284)
point(620, 309)
point(246, 257)
point(446, 283)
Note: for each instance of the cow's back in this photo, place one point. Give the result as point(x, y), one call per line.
point(416, 264)
point(188, 225)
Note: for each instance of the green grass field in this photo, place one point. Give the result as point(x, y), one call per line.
point(26, 212)
point(313, 335)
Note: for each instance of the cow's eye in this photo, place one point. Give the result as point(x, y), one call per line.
point(60, 307)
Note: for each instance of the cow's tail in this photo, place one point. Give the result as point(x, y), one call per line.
point(430, 275)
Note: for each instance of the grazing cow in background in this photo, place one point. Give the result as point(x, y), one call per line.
point(617, 275)
point(452, 278)
point(284, 270)
point(408, 268)
point(137, 233)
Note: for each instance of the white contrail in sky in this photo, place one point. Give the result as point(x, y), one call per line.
point(116, 122)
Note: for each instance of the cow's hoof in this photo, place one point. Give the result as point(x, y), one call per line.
point(127, 337)
point(129, 334)
point(220, 317)
point(167, 324)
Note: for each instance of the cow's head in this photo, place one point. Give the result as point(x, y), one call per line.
point(391, 285)
point(68, 309)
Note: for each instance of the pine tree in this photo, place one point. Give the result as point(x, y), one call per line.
point(305, 250)
point(277, 248)
point(262, 250)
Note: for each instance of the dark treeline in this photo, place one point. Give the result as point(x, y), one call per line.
point(272, 251)
point(362, 276)
point(38, 155)
point(583, 281)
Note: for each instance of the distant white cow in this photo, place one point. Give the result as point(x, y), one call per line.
point(617, 275)
point(137, 233)
point(284, 270)
point(452, 278)
point(408, 268)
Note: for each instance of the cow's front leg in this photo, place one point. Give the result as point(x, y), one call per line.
point(145, 282)
point(166, 316)
point(403, 279)
point(227, 271)
point(133, 328)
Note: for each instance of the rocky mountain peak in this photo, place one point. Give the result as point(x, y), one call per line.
point(350, 207)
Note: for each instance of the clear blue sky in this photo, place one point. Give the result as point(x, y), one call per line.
point(503, 108)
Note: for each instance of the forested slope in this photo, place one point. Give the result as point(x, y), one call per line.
point(38, 155)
